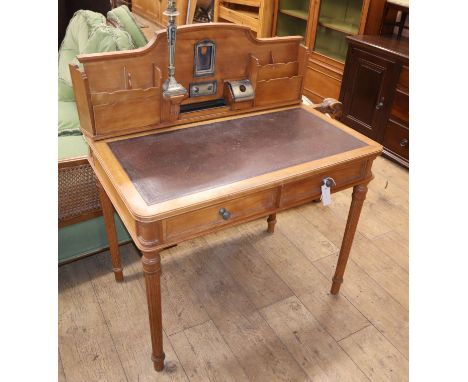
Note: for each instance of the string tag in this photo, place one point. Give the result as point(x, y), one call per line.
point(326, 191)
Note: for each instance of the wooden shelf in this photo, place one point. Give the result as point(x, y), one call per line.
point(254, 14)
point(297, 13)
point(339, 26)
point(250, 3)
point(242, 17)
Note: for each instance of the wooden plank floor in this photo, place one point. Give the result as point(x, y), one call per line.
point(244, 305)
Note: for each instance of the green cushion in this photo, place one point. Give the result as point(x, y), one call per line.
point(76, 37)
point(125, 20)
point(68, 120)
point(87, 32)
point(108, 39)
point(72, 146)
point(65, 91)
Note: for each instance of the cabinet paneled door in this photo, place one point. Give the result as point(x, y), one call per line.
point(375, 92)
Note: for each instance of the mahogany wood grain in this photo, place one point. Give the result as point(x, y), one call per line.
point(397, 138)
point(109, 222)
point(375, 92)
point(403, 81)
point(400, 106)
point(359, 195)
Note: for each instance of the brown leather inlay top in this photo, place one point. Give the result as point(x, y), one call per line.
point(168, 165)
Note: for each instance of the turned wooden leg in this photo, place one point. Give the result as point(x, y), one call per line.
point(152, 268)
point(109, 223)
point(271, 223)
point(359, 195)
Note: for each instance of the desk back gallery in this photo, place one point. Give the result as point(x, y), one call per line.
point(121, 92)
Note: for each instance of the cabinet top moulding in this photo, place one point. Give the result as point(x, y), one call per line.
point(381, 44)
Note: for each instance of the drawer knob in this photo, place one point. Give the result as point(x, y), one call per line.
point(380, 105)
point(404, 142)
point(225, 214)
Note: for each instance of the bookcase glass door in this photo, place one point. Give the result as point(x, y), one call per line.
point(337, 19)
point(292, 18)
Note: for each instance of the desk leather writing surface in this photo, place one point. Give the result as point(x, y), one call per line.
point(168, 165)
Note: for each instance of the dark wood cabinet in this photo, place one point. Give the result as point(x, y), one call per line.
point(375, 92)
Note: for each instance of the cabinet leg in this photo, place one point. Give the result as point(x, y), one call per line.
point(109, 223)
point(152, 269)
point(359, 195)
point(271, 223)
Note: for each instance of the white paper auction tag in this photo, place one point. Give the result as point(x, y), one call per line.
point(326, 195)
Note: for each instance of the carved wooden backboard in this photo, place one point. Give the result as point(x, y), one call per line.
point(121, 92)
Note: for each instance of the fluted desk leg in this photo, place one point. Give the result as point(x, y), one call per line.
point(152, 268)
point(109, 223)
point(359, 195)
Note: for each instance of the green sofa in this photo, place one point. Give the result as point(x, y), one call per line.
point(87, 32)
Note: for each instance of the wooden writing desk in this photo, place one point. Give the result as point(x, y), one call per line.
point(176, 181)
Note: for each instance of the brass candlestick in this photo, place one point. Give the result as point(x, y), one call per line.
point(171, 87)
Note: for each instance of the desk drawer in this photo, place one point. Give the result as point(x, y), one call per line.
point(400, 106)
point(207, 218)
point(310, 188)
point(403, 81)
point(397, 139)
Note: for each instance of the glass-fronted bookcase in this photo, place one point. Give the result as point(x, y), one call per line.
point(324, 25)
point(292, 17)
point(336, 20)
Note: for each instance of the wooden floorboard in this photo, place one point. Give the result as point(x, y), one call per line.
point(315, 350)
point(375, 356)
point(205, 355)
point(61, 373)
point(335, 313)
point(86, 346)
point(377, 305)
point(125, 312)
point(243, 304)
